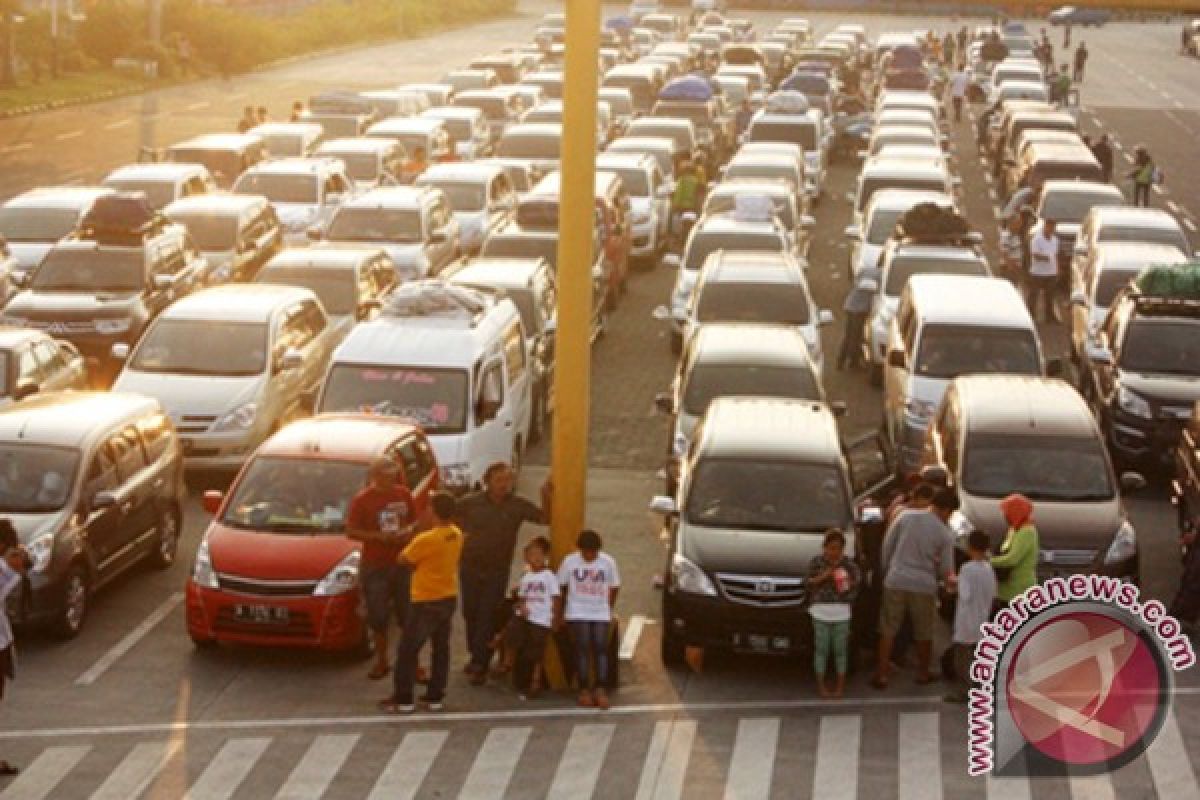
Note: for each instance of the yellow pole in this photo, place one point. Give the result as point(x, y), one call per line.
point(573, 339)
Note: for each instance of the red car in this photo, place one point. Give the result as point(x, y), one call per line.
point(275, 567)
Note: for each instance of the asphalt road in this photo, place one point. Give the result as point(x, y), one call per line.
point(131, 706)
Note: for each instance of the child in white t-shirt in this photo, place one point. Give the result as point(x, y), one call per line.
point(976, 588)
point(534, 611)
point(590, 581)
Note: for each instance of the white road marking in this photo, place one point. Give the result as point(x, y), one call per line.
point(75, 134)
point(920, 760)
point(121, 123)
point(753, 760)
point(408, 766)
point(1170, 765)
point(629, 641)
point(1091, 787)
point(130, 640)
point(1178, 104)
point(137, 770)
point(39, 779)
point(16, 148)
point(225, 773)
point(666, 760)
point(199, 106)
point(1158, 189)
point(1191, 226)
point(1014, 788)
point(1171, 204)
point(835, 776)
point(494, 764)
point(318, 767)
point(579, 768)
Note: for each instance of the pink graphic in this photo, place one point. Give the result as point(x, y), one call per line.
point(439, 413)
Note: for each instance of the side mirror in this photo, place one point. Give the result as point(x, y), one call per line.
point(664, 402)
point(25, 390)
point(870, 515)
point(314, 233)
point(662, 504)
point(1132, 482)
point(1078, 298)
point(486, 410)
point(212, 500)
point(162, 281)
point(103, 500)
point(1080, 249)
point(290, 360)
point(672, 261)
point(897, 359)
point(807, 222)
point(120, 351)
point(598, 273)
point(551, 326)
point(438, 236)
point(824, 317)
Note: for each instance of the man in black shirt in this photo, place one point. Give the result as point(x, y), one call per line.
point(1102, 150)
point(490, 520)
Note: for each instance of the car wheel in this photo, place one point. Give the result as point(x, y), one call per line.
point(676, 342)
point(674, 648)
point(168, 538)
point(203, 644)
point(75, 602)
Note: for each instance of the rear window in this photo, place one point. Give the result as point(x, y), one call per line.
point(803, 134)
point(903, 268)
point(1167, 236)
point(543, 147)
point(871, 185)
point(1072, 206)
point(947, 351)
point(785, 304)
point(37, 224)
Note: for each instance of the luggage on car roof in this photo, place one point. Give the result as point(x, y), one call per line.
point(932, 222)
point(690, 88)
point(435, 298)
point(1180, 281)
point(787, 102)
point(121, 218)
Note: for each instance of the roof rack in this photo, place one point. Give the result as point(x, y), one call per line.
point(436, 299)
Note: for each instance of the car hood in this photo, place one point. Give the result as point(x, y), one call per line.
point(752, 552)
point(69, 305)
point(296, 216)
point(31, 526)
point(275, 556)
point(192, 395)
point(28, 254)
point(1069, 526)
point(1182, 389)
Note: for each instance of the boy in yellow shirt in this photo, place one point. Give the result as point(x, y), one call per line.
point(433, 558)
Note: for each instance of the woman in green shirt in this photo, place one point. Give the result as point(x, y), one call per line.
point(1016, 564)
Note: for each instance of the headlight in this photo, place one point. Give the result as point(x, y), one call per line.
point(202, 571)
point(687, 577)
point(40, 551)
point(342, 578)
point(457, 476)
point(111, 327)
point(919, 409)
point(240, 419)
point(1132, 403)
point(679, 445)
point(1124, 545)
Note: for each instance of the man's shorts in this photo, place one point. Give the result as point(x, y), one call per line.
point(385, 591)
point(921, 608)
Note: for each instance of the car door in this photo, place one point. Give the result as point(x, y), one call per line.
point(282, 396)
point(492, 438)
point(901, 335)
point(137, 494)
point(517, 380)
point(100, 509)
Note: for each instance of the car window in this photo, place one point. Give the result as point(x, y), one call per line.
point(514, 352)
point(102, 473)
point(410, 462)
point(172, 261)
point(491, 386)
point(28, 369)
point(155, 431)
point(126, 449)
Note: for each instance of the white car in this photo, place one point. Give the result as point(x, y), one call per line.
point(649, 201)
point(879, 221)
point(807, 130)
point(468, 127)
point(32, 222)
point(290, 139)
point(481, 198)
point(162, 183)
point(304, 191)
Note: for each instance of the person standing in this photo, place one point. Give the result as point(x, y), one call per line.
point(1016, 563)
point(1066, 35)
point(962, 39)
point(1143, 173)
point(833, 581)
point(857, 306)
point(1081, 57)
point(1102, 150)
point(958, 90)
point(13, 563)
point(1062, 84)
point(948, 48)
point(976, 589)
point(490, 520)
point(1043, 271)
point(297, 112)
point(685, 199)
point(916, 549)
point(381, 517)
point(745, 114)
point(590, 582)
point(433, 557)
point(248, 120)
point(538, 605)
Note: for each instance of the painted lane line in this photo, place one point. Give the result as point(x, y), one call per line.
point(199, 106)
point(1171, 204)
point(16, 148)
point(494, 765)
point(39, 779)
point(1091, 787)
point(1169, 763)
point(319, 766)
point(920, 760)
point(62, 137)
point(579, 768)
point(753, 760)
point(137, 770)
point(667, 760)
point(105, 662)
point(835, 776)
point(121, 123)
point(1187, 223)
point(629, 641)
point(408, 766)
point(225, 773)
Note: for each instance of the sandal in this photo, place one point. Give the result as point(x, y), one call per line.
point(378, 673)
point(601, 700)
point(7, 770)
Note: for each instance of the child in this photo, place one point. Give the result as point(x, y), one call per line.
point(537, 606)
point(590, 583)
point(976, 591)
point(833, 583)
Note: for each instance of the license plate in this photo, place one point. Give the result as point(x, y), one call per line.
point(762, 643)
point(261, 615)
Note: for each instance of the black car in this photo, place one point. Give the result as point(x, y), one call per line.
point(1140, 373)
point(93, 483)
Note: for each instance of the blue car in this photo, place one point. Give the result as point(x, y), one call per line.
point(1074, 15)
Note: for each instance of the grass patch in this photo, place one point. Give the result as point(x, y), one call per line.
point(70, 88)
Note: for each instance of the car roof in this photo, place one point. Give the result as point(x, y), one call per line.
point(1136, 255)
point(500, 272)
point(727, 222)
point(641, 143)
point(424, 341)
point(217, 203)
point(748, 343)
point(292, 166)
point(465, 171)
point(240, 302)
point(342, 437)
point(357, 144)
point(407, 125)
point(904, 167)
point(64, 197)
point(391, 197)
point(752, 266)
point(452, 112)
point(533, 129)
point(163, 170)
point(770, 428)
point(891, 199)
point(218, 141)
point(69, 419)
point(762, 158)
point(935, 252)
point(1023, 404)
point(968, 300)
point(1132, 215)
point(628, 159)
point(1081, 186)
point(740, 185)
point(297, 128)
point(324, 255)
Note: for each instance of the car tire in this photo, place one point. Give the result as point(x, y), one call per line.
point(167, 542)
point(676, 343)
point(75, 602)
point(203, 644)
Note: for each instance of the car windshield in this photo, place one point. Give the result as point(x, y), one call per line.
point(766, 496)
point(872, 185)
point(634, 179)
point(335, 288)
point(294, 495)
point(801, 133)
point(1163, 345)
point(701, 245)
point(203, 347)
point(37, 224)
point(35, 478)
point(522, 247)
point(461, 195)
point(780, 303)
point(68, 270)
point(283, 145)
point(158, 193)
point(278, 187)
point(1110, 282)
point(699, 113)
point(210, 232)
point(375, 225)
point(883, 224)
point(706, 381)
point(1072, 206)
point(1148, 234)
point(1050, 468)
point(435, 398)
point(947, 351)
point(903, 268)
point(529, 147)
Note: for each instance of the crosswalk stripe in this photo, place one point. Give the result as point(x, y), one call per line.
point(494, 766)
point(137, 770)
point(41, 777)
point(753, 760)
point(1170, 765)
point(1091, 787)
point(408, 766)
point(1008, 788)
point(579, 767)
point(318, 767)
point(666, 760)
point(225, 773)
point(920, 760)
point(836, 774)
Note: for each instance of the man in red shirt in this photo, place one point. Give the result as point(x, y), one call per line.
point(382, 517)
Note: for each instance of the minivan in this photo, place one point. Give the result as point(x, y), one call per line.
point(227, 155)
point(1043, 161)
point(236, 233)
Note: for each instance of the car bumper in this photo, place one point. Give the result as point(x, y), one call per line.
point(713, 622)
point(42, 602)
point(319, 623)
point(218, 451)
point(1136, 439)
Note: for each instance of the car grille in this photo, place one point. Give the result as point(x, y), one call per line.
point(1068, 558)
point(264, 588)
point(194, 424)
point(1180, 413)
point(299, 625)
point(763, 591)
point(63, 327)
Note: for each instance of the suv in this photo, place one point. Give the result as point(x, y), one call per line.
point(32, 363)
point(32, 222)
point(370, 161)
point(93, 483)
point(350, 280)
point(807, 130)
point(761, 483)
point(468, 127)
point(305, 192)
point(481, 198)
point(163, 183)
point(1141, 373)
point(275, 567)
point(236, 233)
point(649, 202)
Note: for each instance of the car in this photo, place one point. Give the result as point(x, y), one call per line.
point(481, 198)
point(726, 195)
point(305, 192)
point(231, 365)
point(899, 136)
point(33, 221)
point(416, 135)
point(900, 173)
point(649, 203)
point(93, 483)
point(713, 124)
point(339, 113)
point(351, 281)
point(539, 144)
point(508, 67)
point(620, 103)
point(520, 173)
point(807, 130)
point(1083, 17)
point(32, 363)
point(550, 81)
point(463, 80)
point(551, 113)
point(1067, 203)
point(469, 130)
point(879, 219)
point(501, 107)
point(369, 161)
point(275, 567)
point(1018, 90)
point(1129, 224)
point(641, 80)
point(162, 184)
point(236, 233)
point(660, 148)
point(225, 155)
point(1044, 161)
point(438, 94)
point(290, 139)
point(396, 102)
point(780, 167)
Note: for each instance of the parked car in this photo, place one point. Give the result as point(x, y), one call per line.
point(351, 281)
point(539, 145)
point(32, 363)
point(225, 155)
point(306, 192)
point(649, 203)
point(468, 128)
point(236, 233)
point(162, 184)
point(370, 162)
point(480, 195)
point(416, 135)
point(290, 139)
point(33, 221)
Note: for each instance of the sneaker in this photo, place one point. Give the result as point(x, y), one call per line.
point(433, 705)
point(390, 705)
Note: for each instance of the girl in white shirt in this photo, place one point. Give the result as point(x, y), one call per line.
point(590, 582)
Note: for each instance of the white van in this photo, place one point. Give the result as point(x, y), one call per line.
point(451, 358)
